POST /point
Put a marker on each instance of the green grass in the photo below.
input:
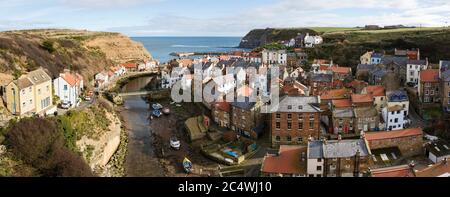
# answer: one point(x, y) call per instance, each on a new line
point(333, 29)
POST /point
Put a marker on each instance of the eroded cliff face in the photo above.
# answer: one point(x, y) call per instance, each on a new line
point(57, 49)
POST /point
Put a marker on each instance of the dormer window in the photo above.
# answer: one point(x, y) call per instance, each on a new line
point(300, 107)
point(289, 107)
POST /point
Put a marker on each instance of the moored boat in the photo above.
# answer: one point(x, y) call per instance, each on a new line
point(187, 165)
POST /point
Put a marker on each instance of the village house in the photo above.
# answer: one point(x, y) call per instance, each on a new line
point(413, 68)
point(130, 67)
point(253, 57)
point(445, 93)
point(289, 162)
point(320, 63)
point(437, 151)
point(31, 93)
point(319, 83)
point(221, 114)
point(397, 66)
point(366, 57)
point(310, 41)
point(148, 65)
point(395, 117)
point(378, 93)
point(444, 65)
point(413, 54)
point(338, 158)
point(398, 98)
point(408, 141)
point(429, 86)
point(357, 86)
point(101, 79)
point(246, 117)
point(375, 58)
point(68, 87)
point(343, 121)
point(367, 119)
point(292, 87)
point(295, 121)
point(274, 57)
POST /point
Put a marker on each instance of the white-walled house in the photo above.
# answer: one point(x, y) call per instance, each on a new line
point(68, 87)
point(102, 79)
point(274, 57)
point(438, 151)
point(395, 118)
point(413, 68)
point(311, 41)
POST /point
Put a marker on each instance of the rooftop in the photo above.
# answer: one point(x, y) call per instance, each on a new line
point(288, 161)
point(439, 148)
point(343, 113)
point(362, 98)
point(298, 104)
point(441, 169)
point(365, 112)
point(336, 94)
point(224, 106)
point(38, 76)
point(342, 103)
point(394, 171)
point(376, 90)
point(370, 136)
point(430, 75)
point(397, 96)
point(341, 70)
point(321, 77)
point(345, 148)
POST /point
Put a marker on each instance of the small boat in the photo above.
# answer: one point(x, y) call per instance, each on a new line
point(156, 113)
point(166, 111)
point(187, 165)
point(157, 106)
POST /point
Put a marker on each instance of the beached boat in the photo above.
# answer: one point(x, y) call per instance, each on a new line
point(187, 165)
point(157, 106)
point(166, 111)
point(156, 113)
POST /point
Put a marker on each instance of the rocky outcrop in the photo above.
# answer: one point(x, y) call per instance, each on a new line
point(56, 49)
point(260, 37)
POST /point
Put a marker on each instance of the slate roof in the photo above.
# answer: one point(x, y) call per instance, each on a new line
point(365, 67)
point(377, 55)
point(378, 72)
point(38, 76)
point(401, 61)
point(439, 148)
point(345, 148)
point(446, 75)
point(397, 96)
point(365, 112)
point(246, 105)
point(298, 104)
point(321, 77)
point(315, 150)
point(23, 83)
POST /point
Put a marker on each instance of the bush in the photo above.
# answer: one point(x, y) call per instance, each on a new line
point(48, 46)
point(40, 143)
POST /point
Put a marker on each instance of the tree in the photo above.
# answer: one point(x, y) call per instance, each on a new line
point(48, 46)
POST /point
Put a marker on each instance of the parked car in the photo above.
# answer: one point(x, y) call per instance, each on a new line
point(65, 105)
point(175, 143)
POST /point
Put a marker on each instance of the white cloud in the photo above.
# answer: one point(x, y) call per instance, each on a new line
point(107, 3)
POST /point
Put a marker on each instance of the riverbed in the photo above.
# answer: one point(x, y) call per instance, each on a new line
point(141, 160)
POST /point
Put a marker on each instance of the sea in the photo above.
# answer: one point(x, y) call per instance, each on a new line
point(162, 47)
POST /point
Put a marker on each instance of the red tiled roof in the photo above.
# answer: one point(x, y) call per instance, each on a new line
point(186, 62)
point(129, 65)
point(376, 90)
point(362, 98)
point(335, 94)
point(287, 162)
point(342, 103)
point(341, 70)
point(370, 136)
point(224, 106)
point(72, 79)
point(395, 171)
point(431, 75)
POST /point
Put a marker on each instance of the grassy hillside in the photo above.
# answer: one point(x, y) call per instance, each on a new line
point(345, 47)
point(57, 49)
point(260, 37)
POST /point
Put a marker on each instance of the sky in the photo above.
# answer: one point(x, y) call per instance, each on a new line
point(215, 18)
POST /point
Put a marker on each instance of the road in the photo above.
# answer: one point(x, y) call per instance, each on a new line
point(416, 119)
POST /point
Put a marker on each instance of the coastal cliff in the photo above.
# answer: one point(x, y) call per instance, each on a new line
point(260, 37)
point(57, 49)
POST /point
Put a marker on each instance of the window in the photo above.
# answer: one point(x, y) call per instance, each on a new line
point(23, 92)
point(311, 125)
point(289, 125)
point(319, 168)
point(289, 107)
point(277, 138)
point(319, 160)
point(31, 101)
point(23, 104)
point(299, 139)
point(289, 138)
point(48, 88)
point(301, 106)
point(65, 87)
point(39, 91)
point(300, 125)
point(278, 125)
point(396, 120)
point(278, 116)
point(289, 116)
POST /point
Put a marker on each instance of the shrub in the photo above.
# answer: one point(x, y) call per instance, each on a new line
point(40, 143)
point(48, 46)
